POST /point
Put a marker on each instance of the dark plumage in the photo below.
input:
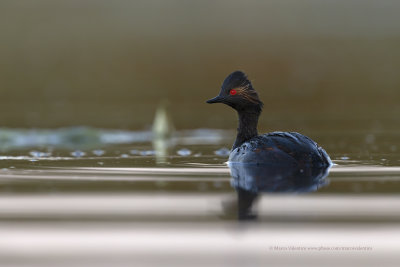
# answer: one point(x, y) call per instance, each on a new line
point(276, 147)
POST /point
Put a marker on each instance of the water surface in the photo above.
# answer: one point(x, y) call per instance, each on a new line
point(142, 203)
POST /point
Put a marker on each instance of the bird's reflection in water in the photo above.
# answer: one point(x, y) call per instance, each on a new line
point(250, 180)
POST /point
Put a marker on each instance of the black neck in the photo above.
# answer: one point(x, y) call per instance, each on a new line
point(247, 129)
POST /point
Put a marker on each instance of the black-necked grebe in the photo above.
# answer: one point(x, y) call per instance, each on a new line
point(276, 147)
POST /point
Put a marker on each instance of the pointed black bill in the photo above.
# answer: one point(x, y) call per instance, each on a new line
point(216, 99)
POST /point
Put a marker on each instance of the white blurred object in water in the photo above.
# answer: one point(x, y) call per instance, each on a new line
point(184, 152)
point(223, 152)
point(163, 131)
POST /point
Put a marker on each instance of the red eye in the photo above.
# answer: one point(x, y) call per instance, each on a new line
point(232, 92)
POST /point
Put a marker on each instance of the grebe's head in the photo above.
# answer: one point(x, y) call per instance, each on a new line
point(238, 93)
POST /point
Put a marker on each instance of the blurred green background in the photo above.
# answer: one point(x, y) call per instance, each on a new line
point(318, 65)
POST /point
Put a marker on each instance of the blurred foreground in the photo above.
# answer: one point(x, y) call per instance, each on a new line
point(186, 214)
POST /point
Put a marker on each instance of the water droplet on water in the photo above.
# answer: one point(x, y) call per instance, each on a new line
point(98, 152)
point(134, 152)
point(38, 154)
point(184, 152)
point(34, 153)
point(223, 152)
point(78, 153)
point(147, 153)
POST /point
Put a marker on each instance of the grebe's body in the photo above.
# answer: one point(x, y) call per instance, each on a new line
point(281, 148)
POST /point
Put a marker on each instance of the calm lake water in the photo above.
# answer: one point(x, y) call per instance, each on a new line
point(114, 197)
point(113, 193)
